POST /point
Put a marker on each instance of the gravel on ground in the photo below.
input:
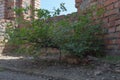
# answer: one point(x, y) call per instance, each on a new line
point(20, 68)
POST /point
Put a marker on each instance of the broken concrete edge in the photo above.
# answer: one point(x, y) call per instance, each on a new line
point(13, 69)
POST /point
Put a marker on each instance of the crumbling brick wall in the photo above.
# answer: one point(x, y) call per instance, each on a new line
point(111, 22)
point(7, 7)
point(1, 9)
point(7, 13)
point(3, 24)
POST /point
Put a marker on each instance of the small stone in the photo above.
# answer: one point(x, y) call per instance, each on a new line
point(88, 74)
point(96, 73)
point(118, 65)
point(103, 78)
point(50, 78)
point(93, 58)
point(30, 57)
point(118, 71)
point(114, 77)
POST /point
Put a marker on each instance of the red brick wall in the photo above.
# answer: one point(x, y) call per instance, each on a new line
point(7, 6)
point(2, 9)
point(111, 21)
point(7, 14)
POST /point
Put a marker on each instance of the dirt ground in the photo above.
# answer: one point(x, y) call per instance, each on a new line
point(25, 68)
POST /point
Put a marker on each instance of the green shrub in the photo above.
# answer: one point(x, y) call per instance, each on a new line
point(85, 41)
point(36, 33)
point(81, 37)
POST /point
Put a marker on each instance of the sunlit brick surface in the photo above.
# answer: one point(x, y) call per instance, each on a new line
point(111, 20)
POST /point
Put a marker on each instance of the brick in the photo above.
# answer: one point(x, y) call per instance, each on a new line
point(105, 20)
point(108, 2)
point(111, 30)
point(117, 22)
point(117, 41)
point(110, 41)
point(111, 12)
point(118, 28)
point(112, 47)
point(111, 24)
point(114, 17)
point(117, 4)
point(104, 25)
point(78, 1)
point(112, 35)
point(110, 7)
